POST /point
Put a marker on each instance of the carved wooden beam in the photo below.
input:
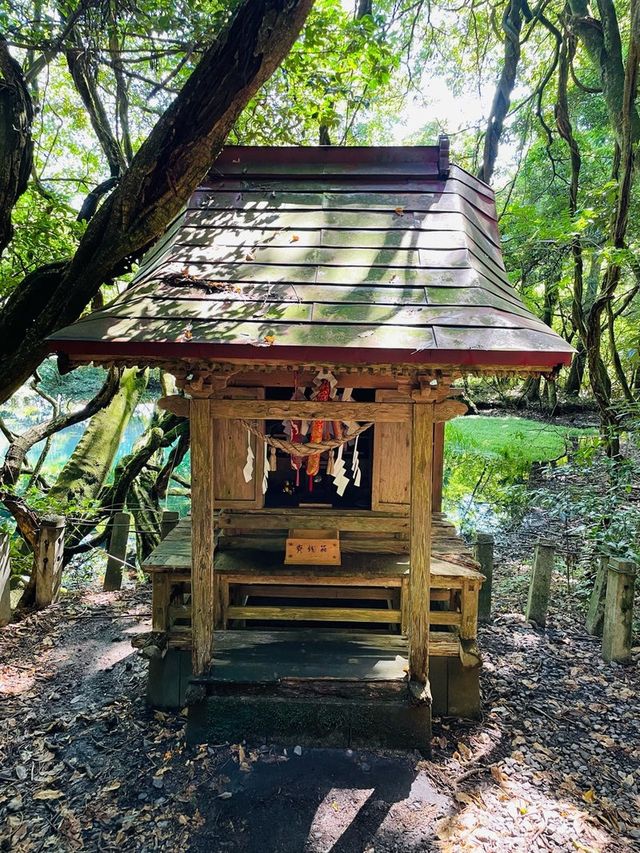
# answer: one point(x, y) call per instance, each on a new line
point(263, 410)
point(276, 410)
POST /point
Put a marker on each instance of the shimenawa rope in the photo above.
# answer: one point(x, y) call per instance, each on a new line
point(296, 448)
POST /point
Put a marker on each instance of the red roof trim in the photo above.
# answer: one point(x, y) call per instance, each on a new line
point(338, 355)
point(250, 160)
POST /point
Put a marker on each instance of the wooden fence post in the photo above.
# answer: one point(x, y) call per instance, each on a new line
point(618, 610)
point(540, 585)
point(49, 559)
point(595, 614)
point(483, 550)
point(117, 551)
point(5, 579)
point(168, 521)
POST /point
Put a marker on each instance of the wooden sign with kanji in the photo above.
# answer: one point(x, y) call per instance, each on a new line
point(306, 547)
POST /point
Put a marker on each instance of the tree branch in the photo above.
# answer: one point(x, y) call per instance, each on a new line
point(163, 174)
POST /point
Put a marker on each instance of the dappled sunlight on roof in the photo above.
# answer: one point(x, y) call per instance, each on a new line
point(388, 250)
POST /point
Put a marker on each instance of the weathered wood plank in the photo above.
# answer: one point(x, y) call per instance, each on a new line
point(441, 643)
point(314, 614)
point(269, 519)
point(168, 521)
point(445, 617)
point(391, 472)
point(347, 546)
point(595, 613)
point(438, 466)
point(483, 552)
point(469, 607)
point(231, 489)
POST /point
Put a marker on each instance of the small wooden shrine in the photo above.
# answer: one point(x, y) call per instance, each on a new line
point(315, 306)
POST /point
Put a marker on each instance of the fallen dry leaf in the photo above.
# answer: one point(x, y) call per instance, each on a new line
point(498, 775)
point(48, 794)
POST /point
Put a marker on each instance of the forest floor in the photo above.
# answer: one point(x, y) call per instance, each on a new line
point(84, 765)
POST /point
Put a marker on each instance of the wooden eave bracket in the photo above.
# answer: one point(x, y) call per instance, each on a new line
point(202, 384)
point(438, 393)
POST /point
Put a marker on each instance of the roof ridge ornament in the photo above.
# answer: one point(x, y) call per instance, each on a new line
point(443, 158)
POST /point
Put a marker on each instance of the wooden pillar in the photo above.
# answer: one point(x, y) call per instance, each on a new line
point(540, 584)
point(117, 551)
point(168, 521)
point(49, 555)
point(483, 550)
point(5, 580)
point(420, 532)
point(618, 611)
point(202, 505)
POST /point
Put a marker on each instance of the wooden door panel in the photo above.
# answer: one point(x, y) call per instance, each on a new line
point(391, 482)
point(231, 490)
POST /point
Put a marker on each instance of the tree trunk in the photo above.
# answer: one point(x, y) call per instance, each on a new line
point(16, 144)
point(512, 25)
point(576, 373)
point(90, 463)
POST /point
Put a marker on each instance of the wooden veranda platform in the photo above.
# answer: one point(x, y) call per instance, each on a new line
point(252, 583)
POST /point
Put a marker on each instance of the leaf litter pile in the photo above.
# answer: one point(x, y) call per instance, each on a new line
point(84, 765)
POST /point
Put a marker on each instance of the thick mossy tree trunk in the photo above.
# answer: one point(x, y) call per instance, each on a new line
point(90, 463)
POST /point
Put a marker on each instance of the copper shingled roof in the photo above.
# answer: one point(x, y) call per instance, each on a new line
point(363, 255)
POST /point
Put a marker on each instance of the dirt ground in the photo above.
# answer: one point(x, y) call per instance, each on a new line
point(84, 765)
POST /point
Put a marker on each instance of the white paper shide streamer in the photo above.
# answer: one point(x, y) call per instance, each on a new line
point(247, 471)
point(265, 469)
point(340, 479)
point(355, 464)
